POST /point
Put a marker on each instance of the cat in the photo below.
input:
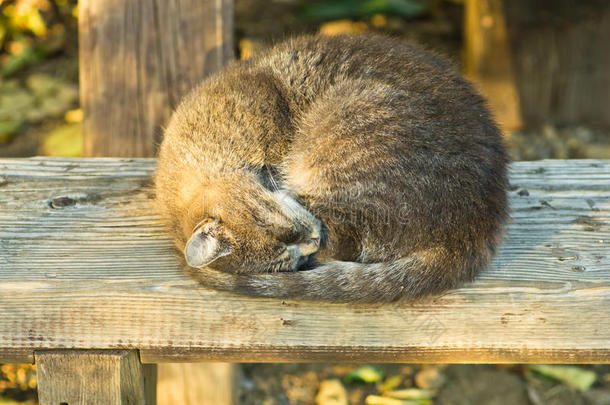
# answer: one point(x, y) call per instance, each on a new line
point(340, 169)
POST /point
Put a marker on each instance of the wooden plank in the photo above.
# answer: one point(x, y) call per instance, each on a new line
point(90, 377)
point(84, 262)
point(137, 59)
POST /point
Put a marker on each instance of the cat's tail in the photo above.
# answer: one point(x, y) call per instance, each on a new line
point(414, 276)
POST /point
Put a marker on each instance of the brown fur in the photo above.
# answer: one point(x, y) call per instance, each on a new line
point(366, 163)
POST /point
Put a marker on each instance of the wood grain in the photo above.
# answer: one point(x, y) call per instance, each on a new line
point(85, 263)
point(137, 58)
point(89, 377)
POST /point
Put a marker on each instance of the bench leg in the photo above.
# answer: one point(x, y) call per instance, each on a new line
point(94, 377)
point(198, 384)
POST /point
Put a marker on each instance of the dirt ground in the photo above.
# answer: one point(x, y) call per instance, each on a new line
point(303, 384)
point(298, 384)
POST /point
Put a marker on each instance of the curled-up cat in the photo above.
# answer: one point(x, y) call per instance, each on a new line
point(348, 168)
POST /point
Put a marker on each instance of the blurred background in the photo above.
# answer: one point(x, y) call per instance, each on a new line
point(544, 66)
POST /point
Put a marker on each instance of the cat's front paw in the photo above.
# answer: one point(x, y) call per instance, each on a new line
point(309, 246)
point(301, 253)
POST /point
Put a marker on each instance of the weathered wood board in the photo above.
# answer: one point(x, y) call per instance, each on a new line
point(85, 263)
point(92, 377)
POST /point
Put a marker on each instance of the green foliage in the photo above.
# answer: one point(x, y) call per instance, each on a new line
point(573, 376)
point(66, 140)
point(41, 98)
point(17, 384)
point(32, 29)
point(338, 9)
point(28, 56)
point(364, 374)
point(7, 401)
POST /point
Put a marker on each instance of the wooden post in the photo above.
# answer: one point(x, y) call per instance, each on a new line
point(138, 58)
point(487, 60)
point(561, 61)
point(91, 377)
point(204, 384)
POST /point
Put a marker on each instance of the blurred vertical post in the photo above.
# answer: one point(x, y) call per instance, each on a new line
point(137, 59)
point(194, 384)
point(487, 60)
point(561, 60)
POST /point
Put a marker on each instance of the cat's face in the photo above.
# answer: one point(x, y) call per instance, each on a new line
point(253, 231)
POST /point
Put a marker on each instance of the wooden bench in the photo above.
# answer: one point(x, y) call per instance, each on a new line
point(90, 287)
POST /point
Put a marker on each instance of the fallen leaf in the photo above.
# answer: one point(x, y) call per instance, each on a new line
point(42, 84)
point(7, 129)
point(390, 383)
point(27, 56)
point(355, 395)
point(67, 93)
point(365, 374)
point(249, 47)
point(15, 104)
point(378, 400)
point(53, 107)
point(74, 116)
point(410, 393)
point(7, 401)
point(429, 378)
point(66, 140)
point(342, 27)
point(575, 377)
point(331, 392)
point(406, 370)
point(379, 20)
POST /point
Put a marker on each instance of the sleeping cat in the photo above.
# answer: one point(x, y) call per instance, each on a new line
point(348, 168)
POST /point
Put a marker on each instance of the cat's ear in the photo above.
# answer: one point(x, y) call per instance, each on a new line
point(203, 246)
